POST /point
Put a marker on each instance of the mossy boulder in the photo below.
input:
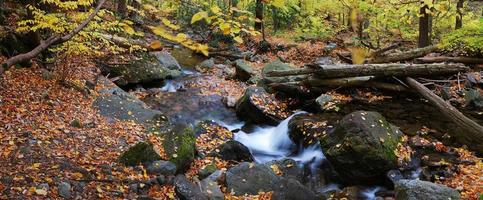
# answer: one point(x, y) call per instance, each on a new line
point(140, 153)
point(144, 68)
point(179, 145)
point(362, 147)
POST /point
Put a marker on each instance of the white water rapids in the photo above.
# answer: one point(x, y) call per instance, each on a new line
point(273, 143)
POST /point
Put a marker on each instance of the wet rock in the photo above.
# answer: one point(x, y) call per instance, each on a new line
point(64, 190)
point(250, 178)
point(307, 129)
point(276, 66)
point(289, 168)
point(417, 189)
point(142, 152)
point(234, 150)
point(206, 64)
point(324, 61)
point(167, 60)
point(211, 189)
point(243, 70)
point(143, 69)
point(361, 147)
point(248, 110)
point(162, 167)
point(187, 190)
point(230, 101)
point(179, 145)
point(115, 103)
point(292, 189)
point(474, 97)
point(207, 171)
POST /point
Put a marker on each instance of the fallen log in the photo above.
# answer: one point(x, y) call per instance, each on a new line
point(376, 70)
point(339, 82)
point(403, 56)
point(472, 132)
point(125, 42)
point(52, 40)
point(440, 59)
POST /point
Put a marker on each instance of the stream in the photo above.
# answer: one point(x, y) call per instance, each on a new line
point(185, 104)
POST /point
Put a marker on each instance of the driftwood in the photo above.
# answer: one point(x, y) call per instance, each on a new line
point(472, 132)
point(52, 40)
point(403, 56)
point(439, 59)
point(377, 70)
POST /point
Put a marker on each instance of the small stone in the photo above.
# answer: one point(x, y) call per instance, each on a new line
point(64, 190)
point(76, 123)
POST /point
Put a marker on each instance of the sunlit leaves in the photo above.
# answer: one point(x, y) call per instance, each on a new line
point(358, 54)
point(199, 16)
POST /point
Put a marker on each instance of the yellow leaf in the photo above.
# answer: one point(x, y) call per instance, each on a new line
point(181, 37)
point(199, 16)
point(358, 55)
point(215, 9)
point(238, 39)
point(225, 28)
point(128, 29)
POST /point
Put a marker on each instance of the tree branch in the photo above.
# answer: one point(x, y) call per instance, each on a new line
point(52, 40)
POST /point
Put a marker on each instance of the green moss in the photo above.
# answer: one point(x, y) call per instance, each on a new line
point(180, 147)
point(208, 170)
point(140, 153)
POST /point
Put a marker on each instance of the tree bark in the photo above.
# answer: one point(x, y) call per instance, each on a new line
point(259, 15)
point(122, 8)
point(52, 40)
point(471, 134)
point(439, 59)
point(459, 14)
point(403, 56)
point(376, 70)
point(424, 28)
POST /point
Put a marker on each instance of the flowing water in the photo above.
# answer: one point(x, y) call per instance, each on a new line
point(273, 143)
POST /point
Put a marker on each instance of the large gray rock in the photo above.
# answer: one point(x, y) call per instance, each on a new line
point(278, 66)
point(187, 190)
point(417, 189)
point(167, 60)
point(292, 189)
point(243, 71)
point(115, 103)
point(251, 178)
point(362, 147)
point(162, 167)
point(249, 110)
point(144, 68)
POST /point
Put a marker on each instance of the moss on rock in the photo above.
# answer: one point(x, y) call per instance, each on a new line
point(142, 152)
point(179, 145)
